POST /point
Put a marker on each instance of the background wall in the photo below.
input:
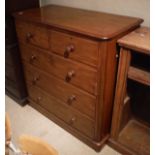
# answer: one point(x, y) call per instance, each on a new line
point(136, 8)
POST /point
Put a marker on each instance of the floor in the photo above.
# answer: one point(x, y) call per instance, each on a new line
point(26, 120)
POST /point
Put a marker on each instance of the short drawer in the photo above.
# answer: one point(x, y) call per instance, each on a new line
point(69, 71)
point(62, 111)
point(32, 34)
point(77, 48)
point(69, 94)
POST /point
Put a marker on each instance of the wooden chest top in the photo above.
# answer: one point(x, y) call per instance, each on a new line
point(95, 24)
point(138, 40)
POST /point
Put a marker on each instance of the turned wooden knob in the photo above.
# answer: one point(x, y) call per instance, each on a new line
point(29, 35)
point(71, 99)
point(68, 50)
point(32, 58)
point(35, 79)
point(73, 119)
point(69, 75)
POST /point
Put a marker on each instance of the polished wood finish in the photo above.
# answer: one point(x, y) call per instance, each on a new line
point(139, 75)
point(70, 66)
point(126, 112)
point(57, 87)
point(62, 111)
point(129, 132)
point(84, 50)
point(138, 40)
point(32, 34)
point(95, 145)
point(70, 71)
point(90, 23)
point(124, 62)
point(120, 148)
point(136, 136)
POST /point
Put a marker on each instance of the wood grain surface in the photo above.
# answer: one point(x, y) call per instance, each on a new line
point(138, 40)
point(70, 55)
point(95, 24)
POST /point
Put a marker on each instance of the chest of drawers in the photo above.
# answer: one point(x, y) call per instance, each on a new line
point(70, 61)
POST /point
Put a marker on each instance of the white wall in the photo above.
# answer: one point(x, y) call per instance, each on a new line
point(136, 8)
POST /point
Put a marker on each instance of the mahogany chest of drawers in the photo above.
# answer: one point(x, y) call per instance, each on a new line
point(70, 62)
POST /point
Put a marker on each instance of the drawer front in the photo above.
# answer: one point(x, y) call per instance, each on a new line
point(69, 94)
point(72, 72)
point(69, 46)
point(62, 111)
point(32, 34)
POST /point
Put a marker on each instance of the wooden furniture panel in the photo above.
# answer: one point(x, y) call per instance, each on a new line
point(136, 136)
point(120, 94)
point(90, 23)
point(130, 132)
point(12, 87)
point(32, 34)
point(62, 111)
point(69, 94)
point(71, 62)
point(9, 73)
point(14, 79)
point(138, 40)
point(70, 46)
point(8, 57)
point(69, 71)
point(139, 75)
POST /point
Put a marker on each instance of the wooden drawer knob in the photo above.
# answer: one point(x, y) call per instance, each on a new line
point(71, 99)
point(73, 119)
point(29, 36)
point(69, 75)
point(35, 79)
point(32, 58)
point(68, 50)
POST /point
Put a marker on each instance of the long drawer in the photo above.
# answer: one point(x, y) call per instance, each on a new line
point(69, 94)
point(32, 34)
point(72, 72)
point(62, 111)
point(77, 48)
